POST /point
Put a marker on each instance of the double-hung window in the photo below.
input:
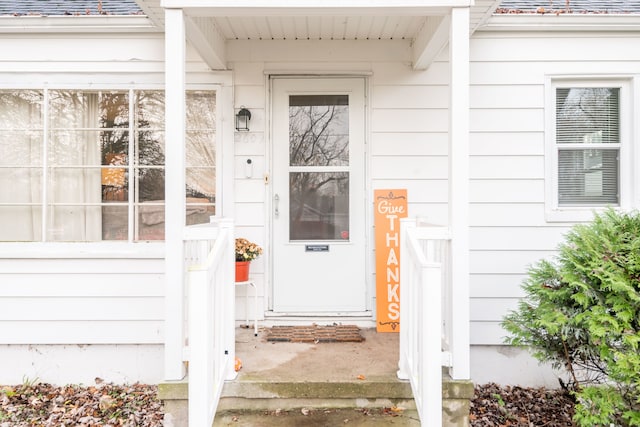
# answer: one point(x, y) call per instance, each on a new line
point(587, 148)
point(88, 165)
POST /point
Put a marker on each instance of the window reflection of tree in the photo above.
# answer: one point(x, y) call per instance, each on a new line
point(150, 145)
point(114, 144)
point(200, 150)
point(587, 117)
point(318, 136)
point(587, 111)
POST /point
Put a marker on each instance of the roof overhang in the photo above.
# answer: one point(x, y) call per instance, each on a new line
point(76, 24)
point(311, 7)
point(210, 24)
point(563, 22)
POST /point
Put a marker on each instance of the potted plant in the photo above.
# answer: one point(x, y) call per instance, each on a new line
point(246, 252)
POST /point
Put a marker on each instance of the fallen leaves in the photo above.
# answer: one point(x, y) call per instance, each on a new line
point(393, 411)
point(7, 391)
point(103, 404)
point(137, 405)
point(495, 405)
point(106, 402)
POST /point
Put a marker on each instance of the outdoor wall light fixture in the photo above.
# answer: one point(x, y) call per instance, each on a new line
point(243, 117)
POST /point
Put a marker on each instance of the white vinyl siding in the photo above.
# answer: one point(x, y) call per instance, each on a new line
point(67, 300)
point(512, 144)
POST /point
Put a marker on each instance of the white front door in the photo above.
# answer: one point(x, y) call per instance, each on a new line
point(318, 213)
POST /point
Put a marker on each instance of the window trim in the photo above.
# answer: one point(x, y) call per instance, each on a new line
point(628, 196)
point(111, 248)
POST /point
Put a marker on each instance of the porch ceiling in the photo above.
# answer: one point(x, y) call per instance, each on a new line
point(210, 23)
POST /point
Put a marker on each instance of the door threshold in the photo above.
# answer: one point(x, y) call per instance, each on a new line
point(337, 314)
point(361, 319)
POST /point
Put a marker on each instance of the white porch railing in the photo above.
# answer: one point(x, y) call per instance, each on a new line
point(425, 332)
point(209, 258)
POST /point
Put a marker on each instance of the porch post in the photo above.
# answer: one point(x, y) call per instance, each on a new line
point(459, 189)
point(175, 203)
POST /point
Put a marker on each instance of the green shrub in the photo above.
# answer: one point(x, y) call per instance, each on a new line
point(581, 314)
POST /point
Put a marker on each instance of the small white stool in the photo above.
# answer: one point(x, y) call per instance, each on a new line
point(246, 303)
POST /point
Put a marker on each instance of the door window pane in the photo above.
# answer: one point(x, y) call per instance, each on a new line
point(319, 206)
point(319, 130)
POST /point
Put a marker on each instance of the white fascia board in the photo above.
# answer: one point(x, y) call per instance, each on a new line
point(75, 24)
point(152, 9)
point(313, 7)
point(205, 37)
point(488, 13)
point(563, 22)
point(429, 43)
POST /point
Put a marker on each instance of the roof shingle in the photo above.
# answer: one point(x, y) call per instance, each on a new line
point(68, 7)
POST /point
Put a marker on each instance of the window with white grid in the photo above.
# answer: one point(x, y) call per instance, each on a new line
point(588, 148)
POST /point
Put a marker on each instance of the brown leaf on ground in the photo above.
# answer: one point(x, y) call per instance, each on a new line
point(105, 404)
point(495, 405)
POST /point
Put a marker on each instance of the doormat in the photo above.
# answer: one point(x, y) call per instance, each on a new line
point(314, 334)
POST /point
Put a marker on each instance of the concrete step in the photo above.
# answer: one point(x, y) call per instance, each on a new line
point(375, 402)
point(316, 403)
point(318, 418)
point(261, 395)
point(305, 403)
point(364, 393)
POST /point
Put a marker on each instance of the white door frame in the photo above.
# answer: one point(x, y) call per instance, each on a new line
point(368, 315)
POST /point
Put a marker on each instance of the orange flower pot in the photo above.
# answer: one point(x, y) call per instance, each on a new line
point(242, 271)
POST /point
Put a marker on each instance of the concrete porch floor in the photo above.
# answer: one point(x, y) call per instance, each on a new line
point(375, 359)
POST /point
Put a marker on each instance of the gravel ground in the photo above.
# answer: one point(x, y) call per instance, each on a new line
point(137, 405)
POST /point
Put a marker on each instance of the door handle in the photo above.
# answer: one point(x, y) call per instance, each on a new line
point(276, 200)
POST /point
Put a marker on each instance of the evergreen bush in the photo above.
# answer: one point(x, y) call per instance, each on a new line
point(581, 314)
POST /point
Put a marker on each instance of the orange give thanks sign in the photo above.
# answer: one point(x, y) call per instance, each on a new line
point(389, 206)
